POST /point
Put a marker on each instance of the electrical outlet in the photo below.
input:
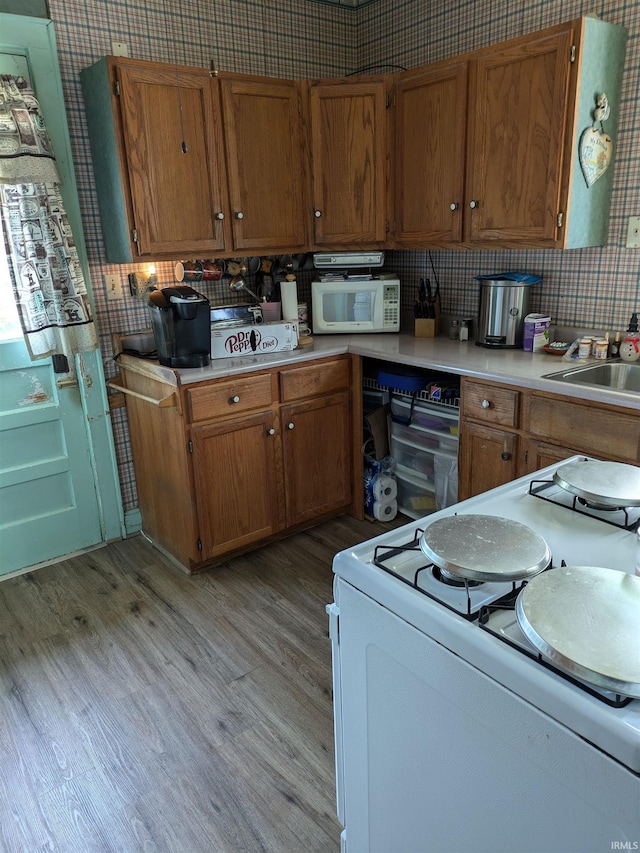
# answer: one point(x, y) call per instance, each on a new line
point(119, 48)
point(633, 233)
point(113, 286)
point(139, 285)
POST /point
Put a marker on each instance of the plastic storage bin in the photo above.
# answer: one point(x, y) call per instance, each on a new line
point(416, 494)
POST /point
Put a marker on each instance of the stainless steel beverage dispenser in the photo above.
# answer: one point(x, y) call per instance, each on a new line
point(503, 305)
point(180, 319)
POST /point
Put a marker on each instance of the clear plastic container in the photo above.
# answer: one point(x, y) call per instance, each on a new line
point(416, 494)
point(413, 457)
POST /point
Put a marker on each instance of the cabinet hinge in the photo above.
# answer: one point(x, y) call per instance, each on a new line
point(572, 53)
point(190, 446)
point(386, 225)
point(526, 456)
point(199, 544)
point(116, 88)
point(388, 100)
point(135, 235)
point(300, 106)
point(560, 219)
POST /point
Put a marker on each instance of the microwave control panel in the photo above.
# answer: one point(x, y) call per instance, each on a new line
point(391, 306)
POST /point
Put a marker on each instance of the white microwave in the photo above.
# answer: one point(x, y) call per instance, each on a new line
point(356, 305)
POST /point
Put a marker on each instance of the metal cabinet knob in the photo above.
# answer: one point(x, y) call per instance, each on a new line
point(505, 456)
point(473, 204)
point(271, 431)
point(239, 214)
point(317, 214)
point(235, 399)
point(485, 404)
point(290, 425)
point(454, 205)
point(220, 216)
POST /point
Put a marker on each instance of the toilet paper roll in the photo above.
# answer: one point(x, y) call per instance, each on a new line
point(385, 510)
point(385, 488)
point(289, 297)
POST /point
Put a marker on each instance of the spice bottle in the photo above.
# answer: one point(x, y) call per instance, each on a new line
point(615, 346)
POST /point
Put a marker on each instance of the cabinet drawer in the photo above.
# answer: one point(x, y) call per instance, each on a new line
point(490, 404)
point(586, 428)
point(229, 398)
point(313, 379)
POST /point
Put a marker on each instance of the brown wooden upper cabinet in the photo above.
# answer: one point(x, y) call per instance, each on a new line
point(487, 145)
point(430, 125)
point(348, 147)
point(158, 159)
point(263, 135)
point(165, 188)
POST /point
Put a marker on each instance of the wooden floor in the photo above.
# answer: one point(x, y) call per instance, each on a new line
point(142, 709)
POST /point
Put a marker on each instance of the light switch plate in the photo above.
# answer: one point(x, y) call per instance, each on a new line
point(113, 286)
point(633, 233)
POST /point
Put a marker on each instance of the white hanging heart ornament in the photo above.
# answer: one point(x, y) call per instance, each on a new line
point(596, 153)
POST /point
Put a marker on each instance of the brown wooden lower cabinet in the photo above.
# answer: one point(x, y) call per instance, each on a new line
point(487, 457)
point(506, 433)
point(237, 461)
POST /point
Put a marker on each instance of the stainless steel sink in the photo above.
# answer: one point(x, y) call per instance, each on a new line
point(615, 375)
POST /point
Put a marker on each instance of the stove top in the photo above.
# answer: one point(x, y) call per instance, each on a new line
point(479, 623)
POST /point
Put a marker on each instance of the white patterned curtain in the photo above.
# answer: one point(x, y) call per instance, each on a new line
point(47, 278)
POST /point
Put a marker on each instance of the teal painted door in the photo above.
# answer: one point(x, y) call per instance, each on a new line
point(58, 478)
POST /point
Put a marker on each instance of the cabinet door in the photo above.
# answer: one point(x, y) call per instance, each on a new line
point(175, 159)
point(518, 105)
point(348, 152)
point(487, 458)
point(237, 482)
point(265, 155)
point(430, 149)
point(316, 437)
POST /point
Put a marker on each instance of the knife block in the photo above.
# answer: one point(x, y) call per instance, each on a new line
point(428, 327)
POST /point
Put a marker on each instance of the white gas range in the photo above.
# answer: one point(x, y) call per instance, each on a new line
point(453, 731)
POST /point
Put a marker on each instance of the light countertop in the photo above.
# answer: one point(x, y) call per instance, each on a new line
point(509, 366)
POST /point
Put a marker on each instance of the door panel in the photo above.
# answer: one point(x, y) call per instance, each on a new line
point(56, 444)
point(518, 98)
point(430, 146)
point(264, 147)
point(317, 459)
point(48, 500)
point(177, 194)
point(236, 480)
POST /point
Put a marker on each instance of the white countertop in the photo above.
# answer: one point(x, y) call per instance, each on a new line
point(509, 366)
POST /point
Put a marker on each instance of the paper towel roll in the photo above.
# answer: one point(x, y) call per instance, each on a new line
point(289, 296)
point(385, 488)
point(385, 510)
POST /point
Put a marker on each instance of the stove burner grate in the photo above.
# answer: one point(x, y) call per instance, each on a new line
point(626, 521)
point(384, 553)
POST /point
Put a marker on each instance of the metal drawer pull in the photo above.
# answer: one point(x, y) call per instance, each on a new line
point(486, 404)
point(235, 399)
point(505, 456)
point(453, 205)
point(473, 204)
point(239, 215)
point(271, 431)
point(317, 214)
point(220, 216)
point(290, 425)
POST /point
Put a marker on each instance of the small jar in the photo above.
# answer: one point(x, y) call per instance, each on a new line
point(454, 330)
point(584, 348)
point(601, 348)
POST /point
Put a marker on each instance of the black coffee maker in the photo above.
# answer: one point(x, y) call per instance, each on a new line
point(180, 319)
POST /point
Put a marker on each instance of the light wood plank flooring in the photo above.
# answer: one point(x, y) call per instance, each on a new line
point(141, 709)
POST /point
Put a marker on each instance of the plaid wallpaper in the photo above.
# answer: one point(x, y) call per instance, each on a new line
point(300, 38)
